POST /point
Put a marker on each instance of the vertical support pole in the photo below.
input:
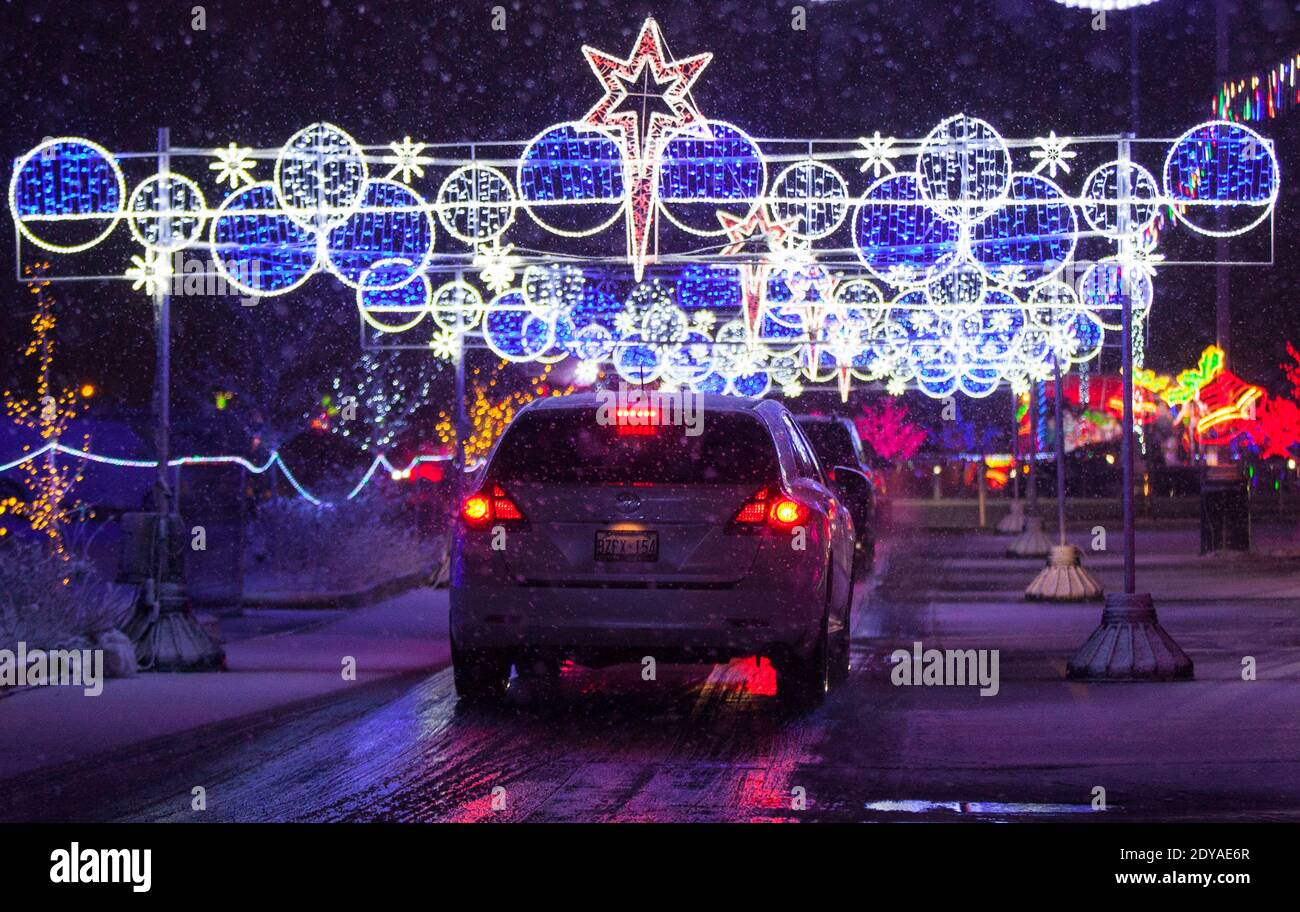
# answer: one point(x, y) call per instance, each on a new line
point(1222, 287)
point(980, 477)
point(162, 348)
point(1060, 453)
point(1126, 319)
point(1129, 644)
point(166, 634)
point(1015, 445)
point(459, 460)
point(1032, 480)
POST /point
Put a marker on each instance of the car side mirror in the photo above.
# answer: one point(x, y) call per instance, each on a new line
point(848, 480)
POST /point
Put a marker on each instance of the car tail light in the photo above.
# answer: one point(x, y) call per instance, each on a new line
point(492, 505)
point(774, 509)
point(786, 513)
point(754, 511)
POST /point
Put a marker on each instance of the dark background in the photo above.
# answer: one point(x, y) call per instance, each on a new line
point(114, 71)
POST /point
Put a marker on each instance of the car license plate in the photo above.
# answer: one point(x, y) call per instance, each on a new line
point(627, 546)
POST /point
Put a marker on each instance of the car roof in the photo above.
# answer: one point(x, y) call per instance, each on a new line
point(706, 401)
point(822, 419)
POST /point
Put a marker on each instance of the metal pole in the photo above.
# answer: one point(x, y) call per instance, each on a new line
point(462, 423)
point(1015, 445)
point(1032, 481)
point(1060, 453)
point(162, 348)
point(1222, 306)
point(1126, 317)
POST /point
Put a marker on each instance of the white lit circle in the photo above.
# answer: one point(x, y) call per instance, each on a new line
point(166, 212)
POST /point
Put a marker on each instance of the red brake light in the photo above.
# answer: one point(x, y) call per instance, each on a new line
point(496, 506)
point(502, 506)
point(776, 509)
point(754, 511)
point(786, 513)
point(476, 509)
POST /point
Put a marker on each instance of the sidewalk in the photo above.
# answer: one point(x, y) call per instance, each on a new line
point(53, 725)
point(1217, 747)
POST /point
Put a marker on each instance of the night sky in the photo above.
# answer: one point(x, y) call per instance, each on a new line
point(114, 71)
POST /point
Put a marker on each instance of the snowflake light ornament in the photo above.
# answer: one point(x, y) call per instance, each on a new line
point(445, 344)
point(152, 272)
point(877, 153)
point(234, 165)
point(1052, 154)
point(406, 159)
point(497, 265)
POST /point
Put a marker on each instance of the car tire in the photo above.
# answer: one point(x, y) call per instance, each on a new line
point(841, 649)
point(481, 675)
point(802, 683)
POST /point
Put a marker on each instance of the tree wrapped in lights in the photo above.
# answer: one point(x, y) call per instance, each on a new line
point(884, 425)
point(386, 392)
point(490, 413)
point(48, 509)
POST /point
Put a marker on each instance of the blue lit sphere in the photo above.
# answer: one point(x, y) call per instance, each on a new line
point(707, 168)
point(1030, 239)
point(1223, 178)
point(391, 224)
point(571, 179)
point(900, 238)
point(259, 253)
point(66, 195)
point(513, 331)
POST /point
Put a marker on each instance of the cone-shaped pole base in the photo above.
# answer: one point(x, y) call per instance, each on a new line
point(1014, 522)
point(1031, 542)
point(1063, 579)
point(1130, 645)
point(172, 639)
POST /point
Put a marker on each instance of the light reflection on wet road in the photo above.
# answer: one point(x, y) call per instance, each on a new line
point(713, 744)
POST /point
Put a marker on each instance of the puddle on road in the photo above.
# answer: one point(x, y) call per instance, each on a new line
point(979, 808)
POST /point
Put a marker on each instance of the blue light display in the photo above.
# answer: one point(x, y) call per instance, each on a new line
point(901, 238)
point(263, 253)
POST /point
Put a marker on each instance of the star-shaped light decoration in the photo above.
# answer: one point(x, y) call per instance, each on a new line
point(647, 97)
point(234, 165)
point(1052, 154)
point(445, 344)
point(406, 159)
point(498, 265)
point(151, 272)
point(877, 153)
point(741, 234)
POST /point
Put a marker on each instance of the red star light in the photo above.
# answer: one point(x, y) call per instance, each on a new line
point(647, 96)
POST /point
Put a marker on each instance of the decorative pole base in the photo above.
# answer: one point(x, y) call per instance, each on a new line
point(171, 638)
point(1063, 579)
point(1031, 542)
point(1130, 645)
point(1014, 522)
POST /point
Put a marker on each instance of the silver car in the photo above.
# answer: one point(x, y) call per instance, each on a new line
point(603, 542)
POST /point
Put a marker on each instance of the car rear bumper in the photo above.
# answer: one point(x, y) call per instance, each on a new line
point(621, 623)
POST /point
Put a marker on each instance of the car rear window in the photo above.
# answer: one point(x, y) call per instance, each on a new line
point(832, 440)
point(569, 447)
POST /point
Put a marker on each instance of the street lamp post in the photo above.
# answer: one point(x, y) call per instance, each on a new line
point(166, 634)
point(1032, 542)
point(1130, 644)
point(1063, 579)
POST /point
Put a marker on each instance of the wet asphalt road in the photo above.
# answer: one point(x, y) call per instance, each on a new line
point(700, 744)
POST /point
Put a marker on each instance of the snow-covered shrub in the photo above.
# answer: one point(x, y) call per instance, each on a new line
point(343, 547)
point(50, 603)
